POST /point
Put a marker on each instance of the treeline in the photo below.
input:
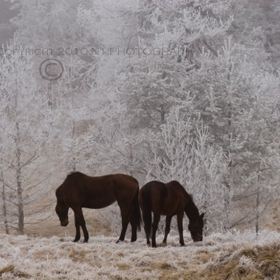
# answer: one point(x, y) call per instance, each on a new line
point(185, 90)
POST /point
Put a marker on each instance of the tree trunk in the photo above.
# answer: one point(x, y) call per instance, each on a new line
point(19, 185)
point(258, 203)
point(4, 208)
point(228, 180)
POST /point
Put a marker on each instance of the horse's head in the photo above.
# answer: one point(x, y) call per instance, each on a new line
point(196, 228)
point(61, 210)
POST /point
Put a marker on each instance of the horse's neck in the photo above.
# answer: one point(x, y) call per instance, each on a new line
point(191, 210)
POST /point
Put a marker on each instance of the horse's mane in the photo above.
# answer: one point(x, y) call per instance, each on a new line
point(73, 173)
point(70, 173)
point(189, 196)
point(176, 183)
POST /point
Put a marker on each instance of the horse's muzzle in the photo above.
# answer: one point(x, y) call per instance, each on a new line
point(64, 223)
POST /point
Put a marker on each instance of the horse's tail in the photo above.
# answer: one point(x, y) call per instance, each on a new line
point(145, 197)
point(136, 209)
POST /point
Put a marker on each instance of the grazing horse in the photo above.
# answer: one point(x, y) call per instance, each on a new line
point(169, 199)
point(79, 190)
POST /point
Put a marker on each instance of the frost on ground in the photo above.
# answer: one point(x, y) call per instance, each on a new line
point(219, 256)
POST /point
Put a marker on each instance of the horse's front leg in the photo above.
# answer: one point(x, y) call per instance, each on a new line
point(80, 222)
point(78, 232)
point(167, 228)
point(180, 227)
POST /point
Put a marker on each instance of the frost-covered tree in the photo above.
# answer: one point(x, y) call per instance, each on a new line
point(182, 152)
point(26, 129)
point(3, 166)
point(47, 24)
point(193, 65)
point(136, 74)
point(170, 36)
point(237, 107)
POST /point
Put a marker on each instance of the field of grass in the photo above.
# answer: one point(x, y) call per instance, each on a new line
point(219, 256)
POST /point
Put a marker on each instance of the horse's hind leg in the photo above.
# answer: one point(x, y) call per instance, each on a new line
point(135, 217)
point(124, 228)
point(145, 206)
point(133, 230)
point(125, 220)
point(155, 227)
point(167, 228)
point(147, 218)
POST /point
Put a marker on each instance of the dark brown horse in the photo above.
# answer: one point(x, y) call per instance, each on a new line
point(79, 190)
point(169, 200)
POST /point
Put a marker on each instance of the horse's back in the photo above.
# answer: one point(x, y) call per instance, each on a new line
point(164, 198)
point(154, 189)
point(153, 195)
point(125, 180)
point(97, 192)
point(175, 187)
point(81, 181)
